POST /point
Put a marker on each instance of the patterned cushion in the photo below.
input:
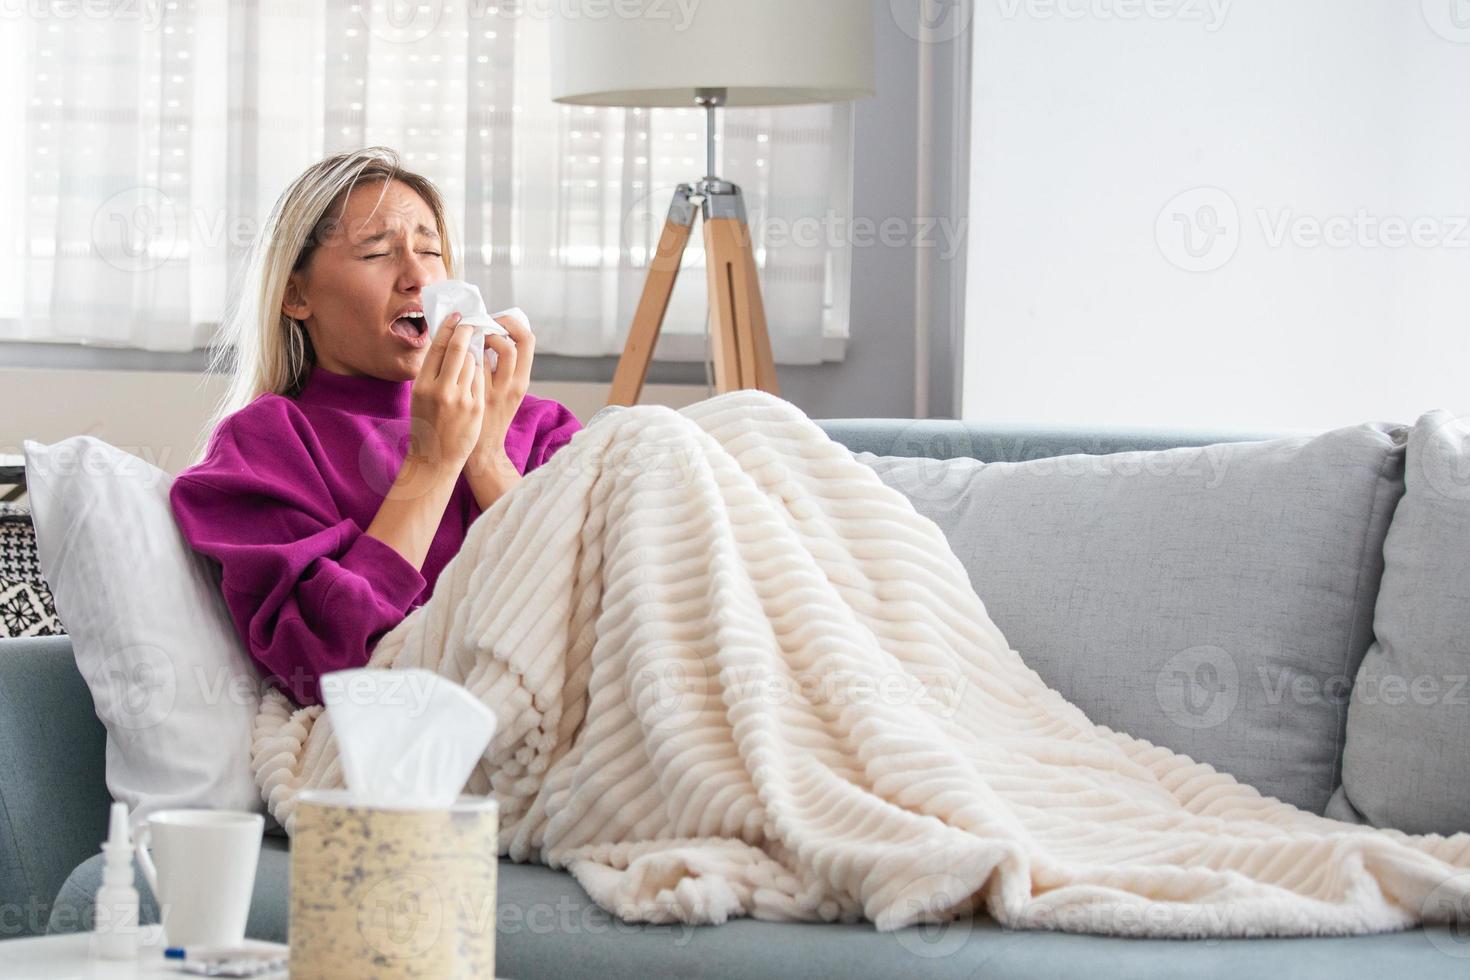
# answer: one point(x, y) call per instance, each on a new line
point(26, 606)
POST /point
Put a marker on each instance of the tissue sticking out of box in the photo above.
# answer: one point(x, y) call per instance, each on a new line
point(457, 296)
point(406, 738)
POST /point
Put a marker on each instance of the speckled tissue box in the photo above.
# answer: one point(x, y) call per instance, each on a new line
point(389, 893)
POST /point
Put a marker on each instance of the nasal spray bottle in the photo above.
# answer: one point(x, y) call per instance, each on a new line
point(115, 913)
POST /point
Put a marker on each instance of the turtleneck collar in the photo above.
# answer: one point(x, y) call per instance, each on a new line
point(359, 395)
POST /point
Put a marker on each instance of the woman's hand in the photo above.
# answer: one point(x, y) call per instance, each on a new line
point(490, 470)
point(448, 401)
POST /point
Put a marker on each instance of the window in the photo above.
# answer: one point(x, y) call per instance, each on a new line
point(149, 143)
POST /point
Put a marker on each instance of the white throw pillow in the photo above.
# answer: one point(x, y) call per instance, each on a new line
point(153, 639)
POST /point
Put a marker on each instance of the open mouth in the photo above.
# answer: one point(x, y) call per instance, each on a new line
point(412, 328)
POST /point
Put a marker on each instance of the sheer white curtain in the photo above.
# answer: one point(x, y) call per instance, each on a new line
point(147, 145)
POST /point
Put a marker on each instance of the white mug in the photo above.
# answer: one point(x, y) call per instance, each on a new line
point(202, 872)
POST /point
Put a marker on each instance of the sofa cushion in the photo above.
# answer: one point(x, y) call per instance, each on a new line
point(1215, 600)
point(1407, 759)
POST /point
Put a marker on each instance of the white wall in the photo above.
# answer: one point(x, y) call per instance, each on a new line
point(1105, 131)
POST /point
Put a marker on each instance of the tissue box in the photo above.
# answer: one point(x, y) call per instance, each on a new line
point(389, 892)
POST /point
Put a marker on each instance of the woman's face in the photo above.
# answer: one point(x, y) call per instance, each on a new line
point(369, 270)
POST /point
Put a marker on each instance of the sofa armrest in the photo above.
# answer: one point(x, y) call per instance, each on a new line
point(53, 787)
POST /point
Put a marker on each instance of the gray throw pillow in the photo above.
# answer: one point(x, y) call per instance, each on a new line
point(1407, 759)
point(1215, 600)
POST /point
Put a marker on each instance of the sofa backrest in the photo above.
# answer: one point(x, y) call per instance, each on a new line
point(953, 438)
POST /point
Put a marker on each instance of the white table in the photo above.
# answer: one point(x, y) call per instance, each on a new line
point(69, 957)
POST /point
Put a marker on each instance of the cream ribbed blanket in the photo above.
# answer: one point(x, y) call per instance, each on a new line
point(737, 674)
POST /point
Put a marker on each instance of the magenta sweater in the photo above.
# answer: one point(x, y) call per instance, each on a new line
point(282, 498)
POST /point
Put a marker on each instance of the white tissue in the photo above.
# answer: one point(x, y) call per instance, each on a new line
point(457, 296)
point(406, 738)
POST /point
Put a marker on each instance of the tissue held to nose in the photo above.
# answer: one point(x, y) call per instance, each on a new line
point(457, 296)
point(406, 738)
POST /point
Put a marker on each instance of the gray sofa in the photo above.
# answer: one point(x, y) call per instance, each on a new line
point(1212, 600)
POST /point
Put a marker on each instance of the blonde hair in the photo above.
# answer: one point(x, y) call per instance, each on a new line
point(259, 346)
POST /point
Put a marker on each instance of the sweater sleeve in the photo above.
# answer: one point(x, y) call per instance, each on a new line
point(308, 590)
point(555, 426)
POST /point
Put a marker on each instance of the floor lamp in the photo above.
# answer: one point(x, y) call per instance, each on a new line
point(729, 53)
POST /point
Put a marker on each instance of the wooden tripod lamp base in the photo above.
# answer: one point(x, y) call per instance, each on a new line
point(741, 345)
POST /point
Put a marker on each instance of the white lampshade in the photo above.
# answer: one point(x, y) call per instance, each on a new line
point(763, 52)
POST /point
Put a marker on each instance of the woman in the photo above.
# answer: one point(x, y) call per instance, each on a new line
point(350, 454)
